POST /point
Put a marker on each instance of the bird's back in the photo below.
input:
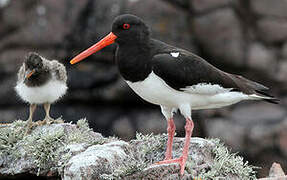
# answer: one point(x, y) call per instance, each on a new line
point(58, 70)
point(188, 70)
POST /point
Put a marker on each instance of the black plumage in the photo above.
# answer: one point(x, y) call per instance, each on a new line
point(42, 74)
point(186, 70)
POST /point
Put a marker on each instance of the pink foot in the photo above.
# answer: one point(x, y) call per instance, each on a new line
point(181, 161)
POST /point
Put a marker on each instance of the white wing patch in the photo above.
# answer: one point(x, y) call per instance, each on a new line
point(174, 54)
point(207, 89)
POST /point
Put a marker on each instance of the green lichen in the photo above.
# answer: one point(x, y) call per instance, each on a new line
point(226, 163)
point(130, 167)
point(83, 124)
point(148, 149)
point(152, 146)
point(43, 147)
point(82, 134)
point(9, 136)
point(48, 148)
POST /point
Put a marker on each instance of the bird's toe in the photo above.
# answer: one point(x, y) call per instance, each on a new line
point(58, 121)
point(181, 161)
point(169, 161)
point(49, 120)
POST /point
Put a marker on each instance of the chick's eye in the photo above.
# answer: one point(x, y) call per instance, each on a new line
point(126, 26)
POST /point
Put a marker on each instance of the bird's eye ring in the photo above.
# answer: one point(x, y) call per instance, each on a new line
point(126, 26)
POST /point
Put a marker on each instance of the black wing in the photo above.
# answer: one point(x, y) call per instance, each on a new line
point(188, 69)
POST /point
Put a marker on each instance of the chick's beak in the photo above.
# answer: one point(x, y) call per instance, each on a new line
point(29, 73)
point(109, 39)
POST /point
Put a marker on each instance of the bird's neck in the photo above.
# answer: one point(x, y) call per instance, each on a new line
point(38, 79)
point(134, 61)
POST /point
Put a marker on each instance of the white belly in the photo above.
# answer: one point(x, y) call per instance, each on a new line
point(154, 90)
point(47, 93)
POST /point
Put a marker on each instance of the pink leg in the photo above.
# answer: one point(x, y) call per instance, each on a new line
point(188, 132)
point(182, 159)
point(170, 131)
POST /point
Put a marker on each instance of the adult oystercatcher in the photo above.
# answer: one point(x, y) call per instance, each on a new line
point(41, 81)
point(172, 77)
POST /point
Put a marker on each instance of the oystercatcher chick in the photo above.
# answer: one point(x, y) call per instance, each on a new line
point(172, 77)
point(41, 81)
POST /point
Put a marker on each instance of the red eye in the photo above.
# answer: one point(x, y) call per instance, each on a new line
point(126, 26)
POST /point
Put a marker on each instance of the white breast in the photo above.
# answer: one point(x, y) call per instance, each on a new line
point(202, 96)
point(47, 93)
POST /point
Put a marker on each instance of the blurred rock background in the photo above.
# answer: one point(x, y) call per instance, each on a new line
point(242, 37)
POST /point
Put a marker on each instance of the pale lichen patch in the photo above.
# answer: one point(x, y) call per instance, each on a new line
point(10, 135)
point(146, 149)
point(209, 159)
point(46, 148)
point(83, 134)
point(42, 146)
point(226, 164)
point(99, 159)
point(76, 151)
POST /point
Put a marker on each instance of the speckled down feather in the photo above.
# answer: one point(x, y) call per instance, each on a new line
point(57, 69)
point(49, 91)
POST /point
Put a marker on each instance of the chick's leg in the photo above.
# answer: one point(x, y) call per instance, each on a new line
point(48, 119)
point(30, 119)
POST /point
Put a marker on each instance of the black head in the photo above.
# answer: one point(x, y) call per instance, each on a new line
point(130, 29)
point(33, 61)
point(127, 29)
point(35, 72)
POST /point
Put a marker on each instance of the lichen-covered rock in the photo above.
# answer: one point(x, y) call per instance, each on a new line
point(45, 150)
point(74, 152)
point(96, 160)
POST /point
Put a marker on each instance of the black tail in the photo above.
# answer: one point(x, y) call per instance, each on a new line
point(270, 99)
point(251, 87)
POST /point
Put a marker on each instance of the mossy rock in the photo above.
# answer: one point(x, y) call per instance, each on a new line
point(74, 151)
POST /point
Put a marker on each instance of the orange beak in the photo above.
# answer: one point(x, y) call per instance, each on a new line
point(109, 39)
point(29, 74)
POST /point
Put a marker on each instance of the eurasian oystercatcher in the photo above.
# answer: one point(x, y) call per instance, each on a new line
point(41, 81)
point(172, 77)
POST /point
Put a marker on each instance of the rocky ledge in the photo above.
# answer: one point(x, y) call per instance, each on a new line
point(73, 151)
